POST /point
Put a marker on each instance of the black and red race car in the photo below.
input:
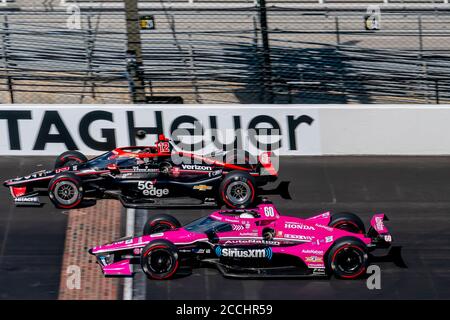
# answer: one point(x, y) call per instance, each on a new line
point(150, 176)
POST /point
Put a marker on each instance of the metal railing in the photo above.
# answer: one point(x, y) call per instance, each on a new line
point(209, 53)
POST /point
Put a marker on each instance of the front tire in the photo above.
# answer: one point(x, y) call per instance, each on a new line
point(348, 258)
point(160, 223)
point(237, 190)
point(70, 158)
point(160, 260)
point(65, 190)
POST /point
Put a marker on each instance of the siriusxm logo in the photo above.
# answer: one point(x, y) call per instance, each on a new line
point(243, 253)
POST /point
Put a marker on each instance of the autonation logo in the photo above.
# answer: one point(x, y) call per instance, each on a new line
point(244, 253)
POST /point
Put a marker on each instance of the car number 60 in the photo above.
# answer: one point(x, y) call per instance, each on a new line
point(268, 212)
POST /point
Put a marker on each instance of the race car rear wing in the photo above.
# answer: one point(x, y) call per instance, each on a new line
point(378, 231)
point(267, 166)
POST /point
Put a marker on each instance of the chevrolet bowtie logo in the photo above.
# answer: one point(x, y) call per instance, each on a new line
point(202, 187)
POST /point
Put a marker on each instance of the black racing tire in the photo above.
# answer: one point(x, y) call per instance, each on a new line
point(347, 221)
point(237, 190)
point(160, 223)
point(348, 258)
point(160, 260)
point(69, 158)
point(65, 190)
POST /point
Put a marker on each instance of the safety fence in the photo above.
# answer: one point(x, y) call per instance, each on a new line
point(232, 52)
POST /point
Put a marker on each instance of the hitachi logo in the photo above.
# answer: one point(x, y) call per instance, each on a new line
point(26, 199)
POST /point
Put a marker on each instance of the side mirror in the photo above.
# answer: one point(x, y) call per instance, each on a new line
point(212, 236)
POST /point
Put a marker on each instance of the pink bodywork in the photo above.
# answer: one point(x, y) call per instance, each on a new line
point(309, 238)
point(120, 268)
point(377, 223)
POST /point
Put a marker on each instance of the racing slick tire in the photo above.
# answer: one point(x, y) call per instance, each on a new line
point(237, 190)
point(348, 258)
point(160, 260)
point(65, 190)
point(69, 158)
point(347, 221)
point(160, 223)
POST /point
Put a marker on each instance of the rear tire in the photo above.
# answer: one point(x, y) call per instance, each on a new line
point(65, 190)
point(348, 258)
point(347, 221)
point(70, 158)
point(160, 223)
point(159, 260)
point(237, 190)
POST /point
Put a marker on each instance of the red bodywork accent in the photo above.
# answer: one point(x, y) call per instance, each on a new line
point(264, 159)
point(18, 191)
point(212, 162)
point(121, 152)
point(59, 170)
point(112, 166)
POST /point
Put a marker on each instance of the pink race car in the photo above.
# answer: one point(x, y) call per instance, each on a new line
point(249, 243)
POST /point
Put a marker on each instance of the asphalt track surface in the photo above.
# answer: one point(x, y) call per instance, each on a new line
point(413, 191)
point(31, 239)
